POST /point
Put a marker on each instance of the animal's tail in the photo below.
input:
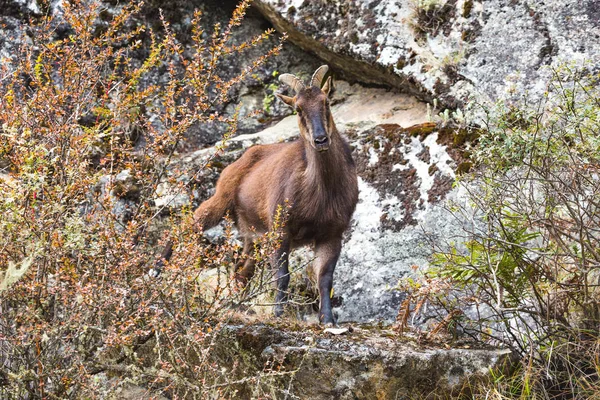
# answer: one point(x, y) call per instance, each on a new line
point(206, 216)
point(213, 210)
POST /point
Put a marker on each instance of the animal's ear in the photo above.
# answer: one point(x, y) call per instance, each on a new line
point(327, 86)
point(290, 101)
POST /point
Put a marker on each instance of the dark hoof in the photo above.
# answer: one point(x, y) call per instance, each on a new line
point(327, 321)
point(278, 311)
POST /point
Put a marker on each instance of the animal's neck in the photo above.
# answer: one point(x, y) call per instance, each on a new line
point(325, 169)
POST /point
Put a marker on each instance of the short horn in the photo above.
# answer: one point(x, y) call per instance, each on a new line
point(292, 81)
point(318, 76)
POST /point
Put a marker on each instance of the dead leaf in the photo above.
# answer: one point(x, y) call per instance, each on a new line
point(336, 331)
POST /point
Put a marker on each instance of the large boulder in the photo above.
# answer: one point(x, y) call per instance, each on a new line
point(450, 50)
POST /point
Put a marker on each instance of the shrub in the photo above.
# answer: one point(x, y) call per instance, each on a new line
point(92, 109)
point(528, 275)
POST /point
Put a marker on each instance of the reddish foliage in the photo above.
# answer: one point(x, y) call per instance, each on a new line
point(72, 111)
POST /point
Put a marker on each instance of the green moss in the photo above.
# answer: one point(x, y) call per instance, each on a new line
point(464, 167)
point(459, 136)
point(401, 63)
point(466, 136)
point(422, 130)
point(467, 7)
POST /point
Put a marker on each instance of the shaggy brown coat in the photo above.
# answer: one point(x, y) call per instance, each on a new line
point(314, 175)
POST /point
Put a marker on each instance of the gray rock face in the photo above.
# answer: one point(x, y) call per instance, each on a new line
point(451, 50)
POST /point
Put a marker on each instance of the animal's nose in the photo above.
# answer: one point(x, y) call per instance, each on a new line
point(320, 140)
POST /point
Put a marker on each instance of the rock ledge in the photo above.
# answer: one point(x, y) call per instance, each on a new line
point(365, 363)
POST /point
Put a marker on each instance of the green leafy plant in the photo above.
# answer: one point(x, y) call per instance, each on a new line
point(269, 97)
point(530, 265)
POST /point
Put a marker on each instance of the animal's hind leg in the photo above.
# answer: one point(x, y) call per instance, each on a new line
point(206, 216)
point(279, 260)
point(245, 268)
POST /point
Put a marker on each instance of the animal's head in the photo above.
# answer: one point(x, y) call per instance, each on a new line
point(312, 106)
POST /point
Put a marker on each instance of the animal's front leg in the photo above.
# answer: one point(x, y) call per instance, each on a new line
point(279, 260)
point(327, 254)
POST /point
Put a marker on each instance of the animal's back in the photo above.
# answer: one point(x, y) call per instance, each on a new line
point(265, 185)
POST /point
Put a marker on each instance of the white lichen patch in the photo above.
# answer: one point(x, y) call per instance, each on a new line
point(368, 210)
point(373, 156)
point(393, 208)
point(360, 48)
point(389, 56)
point(399, 167)
point(438, 156)
point(422, 168)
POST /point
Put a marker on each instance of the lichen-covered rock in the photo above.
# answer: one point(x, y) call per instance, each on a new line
point(445, 49)
point(363, 364)
point(256, 360)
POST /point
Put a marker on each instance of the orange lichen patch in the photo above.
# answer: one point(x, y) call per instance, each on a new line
point(422, 130)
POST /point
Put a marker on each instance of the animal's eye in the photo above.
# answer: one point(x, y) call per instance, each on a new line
point(298, 110)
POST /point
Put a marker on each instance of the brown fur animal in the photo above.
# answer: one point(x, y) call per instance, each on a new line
point(315, 175)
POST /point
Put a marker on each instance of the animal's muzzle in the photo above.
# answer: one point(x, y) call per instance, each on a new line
point(321, 143)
